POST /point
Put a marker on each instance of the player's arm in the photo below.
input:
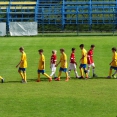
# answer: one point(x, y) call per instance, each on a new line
point(19, 63)
point(57, 63)
point(43, 62)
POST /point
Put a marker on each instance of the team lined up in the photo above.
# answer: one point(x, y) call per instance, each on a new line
point(86, 59)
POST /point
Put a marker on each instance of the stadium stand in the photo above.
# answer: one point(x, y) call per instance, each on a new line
point(60, 12)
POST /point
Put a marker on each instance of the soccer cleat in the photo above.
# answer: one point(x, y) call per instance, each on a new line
point(50, 79)
point(77, 76)
point(2, 80)
point(24, 82)
point(38, 80)
point(94, 75)
point(67, 79)
point(81, 77)
point(57, 79)
point(108, 77)
point(113, 76)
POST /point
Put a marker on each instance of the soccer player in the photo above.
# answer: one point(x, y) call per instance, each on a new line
point(22, 65)
point(73, 63)
point(63, 67)
point(53, 61)
point(2, 79)
point(83, 61)
point(41, 67)
point(113, 63)
point(91, 61)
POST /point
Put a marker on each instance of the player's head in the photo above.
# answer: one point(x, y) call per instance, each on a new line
point(73, 49)
point(21, 49)
point(92, 47)
point(54, 51)
point(114, 49)
point(40, 51)
point(62, 50)
point(81, 46)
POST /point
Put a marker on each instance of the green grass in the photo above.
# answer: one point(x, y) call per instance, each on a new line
point(76, 98)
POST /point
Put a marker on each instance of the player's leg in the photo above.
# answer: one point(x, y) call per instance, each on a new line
point(24, 74)
point(69, 69)
point(110, 72)
point(38, 79)
point(81, 71)
point(88, 69)
point(67, 77)
point(59, 75)
point(114, 74)
point(50, 79)
point(75, 71)
point(2, 79)
point(21, 74)
point(53, 70)
point(86, 73)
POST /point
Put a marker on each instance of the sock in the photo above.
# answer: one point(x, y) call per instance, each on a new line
point(76, 73)
point(39, 77)
point(24, 76)
point(66, 75)
point(53, 72)
point(69, 72)
point(81, 71)
point(88, 71)
point(110, 72)
point(93, 70)
point(46, 75)
point(115, 72)
point(21, 74)
point(59, 74)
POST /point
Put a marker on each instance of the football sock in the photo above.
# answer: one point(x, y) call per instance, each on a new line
point(115, 72)
point(66, 75)
point(21, 74)
point(46, 75)
point(24, 76)
point(81, 71)
point(76, 73)
point(53, 72)
point(59, 74)
point(93, 70)
point(69, 73)
point(110, 72)
point(38, 76)
point(88, 71)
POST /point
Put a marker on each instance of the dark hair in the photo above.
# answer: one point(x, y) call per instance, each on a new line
point(114, 48)
point(41, 50)
point(62, 50)
point(21, 48)
point(73, 49)
point(92, 46)
point(81, 45)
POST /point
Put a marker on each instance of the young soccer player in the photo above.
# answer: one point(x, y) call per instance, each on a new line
point(113, 63)
point(73, 63)
point(53, 61)
point(91, 61)
point(22, 65)
point(83, 61)
point(63, 67)
point(41, 67)
point(2, 79)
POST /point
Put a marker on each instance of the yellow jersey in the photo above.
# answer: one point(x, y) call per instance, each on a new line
point(84, 59)
point(23, 64)
point(41, 62)
point(63, 60)
point(114, 58)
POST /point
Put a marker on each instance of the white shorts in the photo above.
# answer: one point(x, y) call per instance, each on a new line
point(53, 68)
point(72, 66)
point(91, 65)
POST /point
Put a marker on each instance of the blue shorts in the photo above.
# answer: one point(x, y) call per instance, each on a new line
point(83, 65)
point(111, 67)
point(22, 69)
point(41, 71)
point(63, 69)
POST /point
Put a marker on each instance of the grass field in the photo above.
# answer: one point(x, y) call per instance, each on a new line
point(76, 98)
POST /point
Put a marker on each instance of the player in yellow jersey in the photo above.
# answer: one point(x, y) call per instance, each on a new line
point(63, 67)
point(83, 61)
point(2, 79)
point(113, 63)
point(22, 65)
point(41, 67)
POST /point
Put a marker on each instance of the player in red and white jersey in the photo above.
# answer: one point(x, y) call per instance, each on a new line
point(90, 60)
point(72, 64)
point(53, 61)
